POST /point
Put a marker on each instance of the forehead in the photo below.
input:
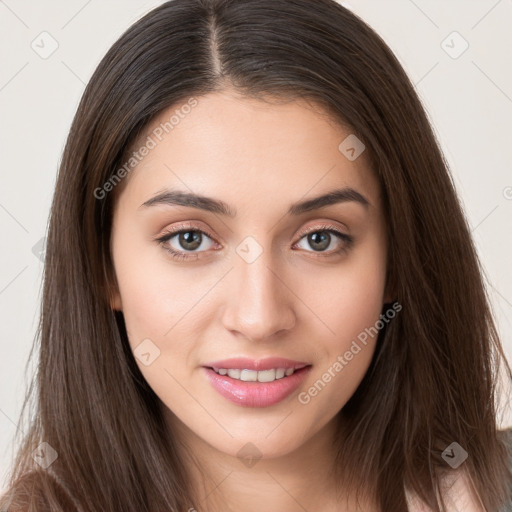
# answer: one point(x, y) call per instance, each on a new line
point(246, 151)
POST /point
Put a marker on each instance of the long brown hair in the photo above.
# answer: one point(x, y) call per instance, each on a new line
point(434, 375)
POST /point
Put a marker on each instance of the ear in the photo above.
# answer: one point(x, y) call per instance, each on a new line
point(115, 301)
point(115, 297)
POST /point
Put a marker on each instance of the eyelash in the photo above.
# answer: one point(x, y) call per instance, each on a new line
point(181, 256)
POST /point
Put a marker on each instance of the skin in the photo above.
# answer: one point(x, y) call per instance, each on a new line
point(291, 302)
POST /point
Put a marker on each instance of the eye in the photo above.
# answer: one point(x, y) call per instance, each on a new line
point(184, 243)
point(179, 242)
point(324, 237)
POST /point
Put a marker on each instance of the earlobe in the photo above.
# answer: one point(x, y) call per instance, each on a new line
point(114, 294)
point(115, 302)
point(115, 298)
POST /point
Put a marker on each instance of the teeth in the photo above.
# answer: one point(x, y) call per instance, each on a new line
point(266, 376)
point(249, 375)
point(234, 374)
point(254, 376)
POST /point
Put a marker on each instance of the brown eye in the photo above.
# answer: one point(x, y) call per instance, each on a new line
point(189, 240)
point(184, 243)
point(320, 240)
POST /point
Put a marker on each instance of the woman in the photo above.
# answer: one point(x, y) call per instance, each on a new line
point(260, 290)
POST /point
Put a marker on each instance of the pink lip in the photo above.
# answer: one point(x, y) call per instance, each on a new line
point(253, 364)
point(256, 394)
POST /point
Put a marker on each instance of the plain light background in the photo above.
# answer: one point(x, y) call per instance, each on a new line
point(455, 51)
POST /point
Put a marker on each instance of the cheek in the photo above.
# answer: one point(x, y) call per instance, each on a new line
point(345, 355)
point(349, 297)
point(165, 309)
point(349, 311)
point(155, 295)
point(156, 304)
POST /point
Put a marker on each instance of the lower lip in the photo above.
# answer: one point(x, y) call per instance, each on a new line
point(256, 394)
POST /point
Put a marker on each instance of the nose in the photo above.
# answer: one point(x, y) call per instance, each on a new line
point(260, 302)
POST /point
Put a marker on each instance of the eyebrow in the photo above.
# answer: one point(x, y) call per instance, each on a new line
point(209, 204)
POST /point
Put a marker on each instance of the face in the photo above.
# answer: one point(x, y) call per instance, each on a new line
point(258, 280)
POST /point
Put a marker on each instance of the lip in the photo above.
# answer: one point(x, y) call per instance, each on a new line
point(256, 364)
point(256, 394)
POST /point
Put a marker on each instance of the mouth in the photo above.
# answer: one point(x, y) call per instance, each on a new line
point(256, 383)
point(246, 375)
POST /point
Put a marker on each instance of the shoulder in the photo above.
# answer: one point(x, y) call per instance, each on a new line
point(458, 489)
point(461, 494)
point(458, 493)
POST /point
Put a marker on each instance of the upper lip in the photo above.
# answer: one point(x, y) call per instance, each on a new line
point(256, 364)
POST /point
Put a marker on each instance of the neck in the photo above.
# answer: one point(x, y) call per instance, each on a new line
point(303, 479)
